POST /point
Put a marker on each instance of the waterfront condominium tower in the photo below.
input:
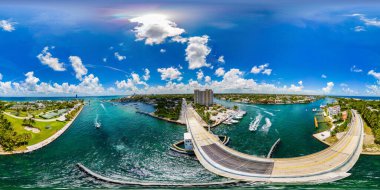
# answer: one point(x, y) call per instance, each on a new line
point(204, 97)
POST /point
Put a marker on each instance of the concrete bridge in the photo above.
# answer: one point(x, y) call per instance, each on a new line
point(328, 165)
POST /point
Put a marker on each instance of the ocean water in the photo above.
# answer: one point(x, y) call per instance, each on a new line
point(135, 147)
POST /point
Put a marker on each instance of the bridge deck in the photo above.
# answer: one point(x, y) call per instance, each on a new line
point(330, 164)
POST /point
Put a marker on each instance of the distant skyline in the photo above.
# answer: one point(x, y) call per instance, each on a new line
point(119, 47)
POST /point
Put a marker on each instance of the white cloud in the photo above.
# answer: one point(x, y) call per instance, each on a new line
point(349, 91)
point(207, 79)
point(373, 90)
point(170, 73)
point(131, 84)
point(200, 75)
point(7, 25)
point(300, 82)
point(328, 88)
point(267, 71)
point(368, 21)
point(179, 39)
point(232, 81)
point(46, 58)
point(261, 69)
point(1, 77)
point(146, 75)
point(343, 85)
point(31, 81)
point(375, 74)
point(255, 70)
point(221, 59)
point(359, 29)
point(119, 57)
point(32, 86)
point(355, 69)
point(90, 83)
point(78, 67)
point(162, 50)
point(104, 59)
point(197, 51)
point(6, 88)
point(155, 28)
point(126, 85)
point(323, 76)
point(219, 72)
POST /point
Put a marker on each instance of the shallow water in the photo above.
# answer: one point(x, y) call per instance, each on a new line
point(134, 147)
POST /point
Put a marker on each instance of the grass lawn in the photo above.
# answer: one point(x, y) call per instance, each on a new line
point(331, 140)
point(322, 127)
point(47, 129)
point(367, 129)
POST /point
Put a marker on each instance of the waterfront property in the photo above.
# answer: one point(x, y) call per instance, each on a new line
point(333, 110)
point(204, 97)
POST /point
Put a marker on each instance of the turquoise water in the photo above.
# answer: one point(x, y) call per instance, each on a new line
point(134, 147)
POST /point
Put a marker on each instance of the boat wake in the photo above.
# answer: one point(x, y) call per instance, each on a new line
point(267, 125)
point(96, 122)
point(104, 108)
point(270, 113)
point(255, 123)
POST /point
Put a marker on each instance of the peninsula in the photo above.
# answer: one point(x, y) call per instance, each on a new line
point(28, 126)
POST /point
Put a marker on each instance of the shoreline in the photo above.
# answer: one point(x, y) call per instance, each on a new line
point(363, 152)
point(249, 103)
point(161, 118)
point(173, 121)
point(45, 142)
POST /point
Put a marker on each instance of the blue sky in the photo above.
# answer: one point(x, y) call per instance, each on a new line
point(125, 47)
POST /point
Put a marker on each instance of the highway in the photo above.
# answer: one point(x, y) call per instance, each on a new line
point(330, 164)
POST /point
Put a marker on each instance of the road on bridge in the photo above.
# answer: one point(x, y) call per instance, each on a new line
point(328, 165)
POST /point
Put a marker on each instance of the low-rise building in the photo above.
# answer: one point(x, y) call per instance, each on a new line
point(334, 110)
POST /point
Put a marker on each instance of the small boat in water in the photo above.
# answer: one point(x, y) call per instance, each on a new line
point(255, 123)
point(233, 121)
point(315, 109)
point(97, 123)
point(227, 122)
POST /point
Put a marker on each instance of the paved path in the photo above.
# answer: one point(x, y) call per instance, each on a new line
point(330, 164)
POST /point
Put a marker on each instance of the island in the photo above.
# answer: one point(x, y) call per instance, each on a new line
point(28, 126)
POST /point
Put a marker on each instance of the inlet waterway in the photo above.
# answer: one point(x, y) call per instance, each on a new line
point(135, 147)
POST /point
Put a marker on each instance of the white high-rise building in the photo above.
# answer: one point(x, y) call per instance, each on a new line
point(204, 97)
